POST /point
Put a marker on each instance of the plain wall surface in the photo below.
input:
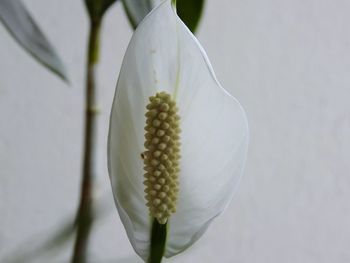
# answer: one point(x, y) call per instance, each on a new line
point(287, 62)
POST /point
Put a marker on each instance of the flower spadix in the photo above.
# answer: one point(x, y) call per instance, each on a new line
point(162, 156)
point(177, 139)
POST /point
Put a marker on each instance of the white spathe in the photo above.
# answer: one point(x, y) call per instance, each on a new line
point(163, 55)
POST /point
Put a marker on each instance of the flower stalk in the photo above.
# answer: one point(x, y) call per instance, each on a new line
point(158, 242)
point(85, 211)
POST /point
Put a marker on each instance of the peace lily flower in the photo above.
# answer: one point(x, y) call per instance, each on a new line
point(177, 139)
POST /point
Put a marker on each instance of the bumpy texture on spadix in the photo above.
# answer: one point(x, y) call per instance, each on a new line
point(161, 157)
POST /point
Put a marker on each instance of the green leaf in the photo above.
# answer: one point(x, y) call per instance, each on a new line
point(97, 8)
point(189, 11)
point(20, 24)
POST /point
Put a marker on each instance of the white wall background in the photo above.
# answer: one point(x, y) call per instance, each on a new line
point(288, 62)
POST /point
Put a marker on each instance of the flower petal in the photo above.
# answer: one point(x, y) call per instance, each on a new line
point(214, 144)
point(163, 55)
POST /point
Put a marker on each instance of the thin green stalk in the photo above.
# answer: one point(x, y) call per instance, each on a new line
point(85, 211)
point(158, 242)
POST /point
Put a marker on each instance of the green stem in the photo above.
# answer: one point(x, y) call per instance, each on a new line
point(158, 242)
point(85, 210)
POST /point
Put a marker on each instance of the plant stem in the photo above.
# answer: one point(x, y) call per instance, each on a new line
point(158, 242)
point(85, 211)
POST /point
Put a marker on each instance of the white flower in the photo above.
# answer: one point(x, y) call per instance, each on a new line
point(163, 55)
